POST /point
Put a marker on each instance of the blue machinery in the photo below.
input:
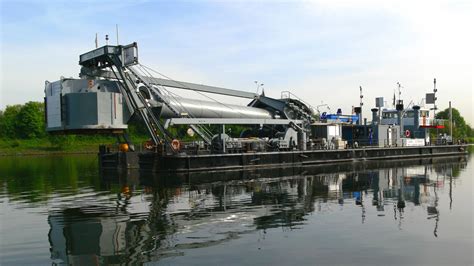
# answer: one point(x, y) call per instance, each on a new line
point(352, 119)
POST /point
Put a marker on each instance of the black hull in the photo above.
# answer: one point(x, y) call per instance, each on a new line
point(155, 163)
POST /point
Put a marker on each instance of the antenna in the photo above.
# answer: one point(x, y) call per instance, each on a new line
point(117, 33)
point(358, 110)
point(258, 85)
point(400, 91)
point(435, 90)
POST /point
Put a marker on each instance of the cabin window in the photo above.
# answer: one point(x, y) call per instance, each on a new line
point(390, 115)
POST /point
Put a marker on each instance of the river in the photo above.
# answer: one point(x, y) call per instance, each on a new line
point(62, 210)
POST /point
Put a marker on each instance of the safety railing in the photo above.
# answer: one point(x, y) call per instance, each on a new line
point(289, 95)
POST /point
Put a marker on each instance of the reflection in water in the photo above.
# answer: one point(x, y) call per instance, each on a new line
point(150, 218)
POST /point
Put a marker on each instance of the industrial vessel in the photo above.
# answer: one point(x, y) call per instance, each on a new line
point(114, 88)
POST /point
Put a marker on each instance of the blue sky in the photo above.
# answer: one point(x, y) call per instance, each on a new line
point(320, 50)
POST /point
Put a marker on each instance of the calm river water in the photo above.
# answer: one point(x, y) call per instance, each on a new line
point(60, 210)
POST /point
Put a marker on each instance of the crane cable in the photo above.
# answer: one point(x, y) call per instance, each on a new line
point(171, 96)
point(200, 93)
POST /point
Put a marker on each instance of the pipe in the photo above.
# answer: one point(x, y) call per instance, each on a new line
point(375, 116)
point(400, 109)
point(358, 112)
point(416, 119)
point(208, 109)
point(400, 123)
point(416, 114)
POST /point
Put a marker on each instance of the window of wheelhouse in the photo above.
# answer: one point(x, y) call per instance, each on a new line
point(409, 114)
point(389, 115)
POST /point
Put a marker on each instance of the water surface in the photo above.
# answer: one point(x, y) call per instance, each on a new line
point(60, 210)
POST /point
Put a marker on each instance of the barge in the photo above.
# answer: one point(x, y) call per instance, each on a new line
point(154, 163)
point(192, 135)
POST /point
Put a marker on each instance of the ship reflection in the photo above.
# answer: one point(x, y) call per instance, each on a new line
point(149, 218)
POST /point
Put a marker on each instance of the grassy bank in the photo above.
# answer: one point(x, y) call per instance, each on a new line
point(57, 145)
point(44, 146)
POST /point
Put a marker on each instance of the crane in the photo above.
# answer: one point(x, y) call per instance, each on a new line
point(115, 70)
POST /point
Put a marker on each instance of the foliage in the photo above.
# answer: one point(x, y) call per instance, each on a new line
point(136, 127)
point(8, 121)
point(460, 128)
point(23, 121)
point(30, 121)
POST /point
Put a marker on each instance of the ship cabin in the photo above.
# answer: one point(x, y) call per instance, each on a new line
point(390, 117)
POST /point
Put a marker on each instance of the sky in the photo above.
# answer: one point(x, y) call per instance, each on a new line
point(321, 51)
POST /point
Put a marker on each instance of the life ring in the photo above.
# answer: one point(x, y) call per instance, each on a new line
point(407, 133)
point(175, 145)
point(148, 145)
point(123, 147)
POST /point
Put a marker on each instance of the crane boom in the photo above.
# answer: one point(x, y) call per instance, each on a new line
point(86, 72)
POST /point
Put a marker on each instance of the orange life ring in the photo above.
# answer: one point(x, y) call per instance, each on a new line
point(175, 145)
point(123, 147)
point(407, 133)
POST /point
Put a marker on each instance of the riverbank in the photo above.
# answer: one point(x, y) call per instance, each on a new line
point(60, 145)
point(42, 147)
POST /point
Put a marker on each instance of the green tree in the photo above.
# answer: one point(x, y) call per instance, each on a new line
point(30, 121)
point(8, 121)
point(1, 121)
point(460, 128)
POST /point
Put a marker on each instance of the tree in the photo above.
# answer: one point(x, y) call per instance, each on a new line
point(460, 128)
point(30, 122)
point(8, 121)
point(1, 123)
